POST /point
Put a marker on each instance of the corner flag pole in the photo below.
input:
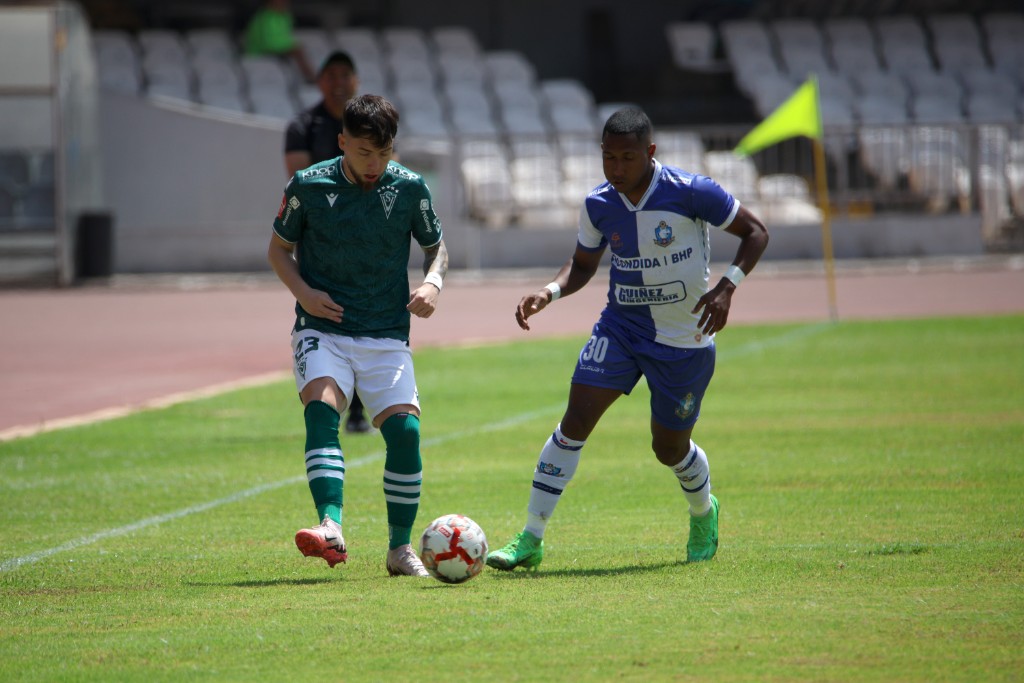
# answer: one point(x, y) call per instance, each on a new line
point(821, 180)
point(800, 115)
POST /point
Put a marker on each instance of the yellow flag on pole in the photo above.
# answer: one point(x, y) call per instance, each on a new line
point(799, 115)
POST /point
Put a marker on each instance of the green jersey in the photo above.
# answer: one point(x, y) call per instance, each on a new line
point(354, 244)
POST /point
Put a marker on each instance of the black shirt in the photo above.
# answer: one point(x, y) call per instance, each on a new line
point(314, 131)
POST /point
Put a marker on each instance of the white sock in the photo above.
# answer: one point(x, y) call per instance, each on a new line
point(695, 479)
point(555, 467)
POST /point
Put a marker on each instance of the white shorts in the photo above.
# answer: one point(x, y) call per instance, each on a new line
point(379, 369)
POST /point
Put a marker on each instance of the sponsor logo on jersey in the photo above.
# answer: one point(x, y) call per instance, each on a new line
point(399, 171)
point(650, 295)
point(424, 205)
point(686, 407)
point(331, 197)
point(646, 262)
point(293, 202)
point(388, 195)
point(322, 172)
point(663, 234)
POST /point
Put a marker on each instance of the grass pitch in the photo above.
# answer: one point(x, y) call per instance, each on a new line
point(870, 475)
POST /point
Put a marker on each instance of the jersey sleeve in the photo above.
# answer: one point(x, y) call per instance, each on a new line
point(289, 220)
point(589, 237)
point(426, 225)
point(712, 203)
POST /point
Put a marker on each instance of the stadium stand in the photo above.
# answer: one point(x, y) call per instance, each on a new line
point(904, 98)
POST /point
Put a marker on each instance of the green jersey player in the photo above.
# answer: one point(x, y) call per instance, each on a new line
point(341, 245)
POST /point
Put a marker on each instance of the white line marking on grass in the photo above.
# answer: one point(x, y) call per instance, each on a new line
point(753, 347)
point(256, 490)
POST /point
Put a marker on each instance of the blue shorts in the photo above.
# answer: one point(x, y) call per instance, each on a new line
point(615, 358)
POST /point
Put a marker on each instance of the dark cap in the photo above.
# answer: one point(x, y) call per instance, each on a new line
point(338, 57)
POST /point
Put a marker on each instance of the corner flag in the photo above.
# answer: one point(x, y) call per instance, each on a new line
point(799, 115)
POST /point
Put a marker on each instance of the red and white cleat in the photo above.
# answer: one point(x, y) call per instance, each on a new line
point(323, 541)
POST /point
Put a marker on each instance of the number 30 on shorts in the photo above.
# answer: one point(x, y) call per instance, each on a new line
point(595, 349)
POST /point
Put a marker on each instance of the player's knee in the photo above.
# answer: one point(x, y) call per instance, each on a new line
point(401, 431)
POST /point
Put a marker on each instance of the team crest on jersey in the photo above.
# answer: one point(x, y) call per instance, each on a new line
point(663, 234)
point(616, 241)
point(302, 368)
point(388, 195)
point(686, 406)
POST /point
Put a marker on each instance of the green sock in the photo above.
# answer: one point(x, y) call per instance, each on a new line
point(325, 463)
point(403, 475)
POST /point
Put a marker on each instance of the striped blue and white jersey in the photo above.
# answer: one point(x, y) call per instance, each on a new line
point(660, 251)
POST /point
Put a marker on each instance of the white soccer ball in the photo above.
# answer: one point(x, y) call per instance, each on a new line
point(453, 548)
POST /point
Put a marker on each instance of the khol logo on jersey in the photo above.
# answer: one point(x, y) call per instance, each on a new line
point(663, 234)
point(388, 195)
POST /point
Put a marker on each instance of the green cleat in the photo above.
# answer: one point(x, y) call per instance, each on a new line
point(703, 542)
point(525, 550)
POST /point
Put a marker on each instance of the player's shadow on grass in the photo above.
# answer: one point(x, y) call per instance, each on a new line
point(264, 583)
point(592, 571)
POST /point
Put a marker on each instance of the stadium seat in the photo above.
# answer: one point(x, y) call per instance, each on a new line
point(692, 45)
point(991, 108)
point(955, 57)
point(935, 109)
point(264, 72)
point(316, 43)
point(738, 175)
point(272, 101)
point(211, 44)
point(848, 31)
point(113, 47)
point(466, 122)
point(406, 69)
point(488, 186)
point(855, 58)
point(804, 32)
point(882, 85)
point(571, 119)
point(681, 149)
point(459, 69)
point(988, 82)
point(880, 109)
point(406, 41)
point(930, 83)
point(120, 77)
point(162, 46)
point(363, 44)
point(566, 92)
point(455, 41)
point(509, 66)
point(907, 58)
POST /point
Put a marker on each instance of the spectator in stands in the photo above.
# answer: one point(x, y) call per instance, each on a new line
point(271, 32)
point(312, 137)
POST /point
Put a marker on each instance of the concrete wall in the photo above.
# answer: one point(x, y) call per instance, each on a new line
point(192, 191)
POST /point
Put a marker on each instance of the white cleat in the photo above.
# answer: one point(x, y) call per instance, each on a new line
point(323, 541)
point(403, 561)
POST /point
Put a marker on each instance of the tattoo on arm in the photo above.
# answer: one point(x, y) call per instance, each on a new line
point(436, 260)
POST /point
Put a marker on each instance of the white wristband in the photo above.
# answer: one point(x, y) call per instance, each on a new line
point(734, 274)
point(434, 279)
point(555, 290)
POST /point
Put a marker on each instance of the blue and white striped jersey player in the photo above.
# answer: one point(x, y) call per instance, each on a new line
point(341, 245)
point(660, 322)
